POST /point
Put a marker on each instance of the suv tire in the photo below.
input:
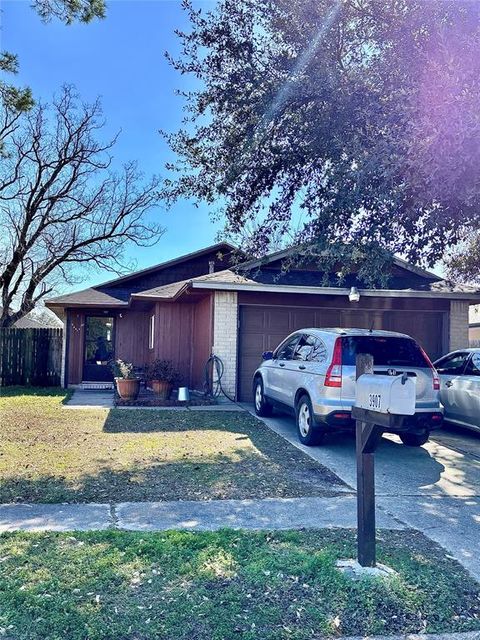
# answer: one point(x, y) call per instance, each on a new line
point(414, 439)
point(308, 433)
point(262, 407)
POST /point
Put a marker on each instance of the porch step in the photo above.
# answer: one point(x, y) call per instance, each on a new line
point(97, 385)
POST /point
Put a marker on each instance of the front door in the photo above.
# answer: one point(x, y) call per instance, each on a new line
point(99, 349)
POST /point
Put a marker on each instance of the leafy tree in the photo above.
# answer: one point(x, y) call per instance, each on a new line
point(60, 204)
point(356, 120)
point(70, 10)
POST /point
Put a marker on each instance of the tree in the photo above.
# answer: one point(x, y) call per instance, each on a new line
point(357, 118)
point(61, 206)
point(18, 100)
point(70, 10)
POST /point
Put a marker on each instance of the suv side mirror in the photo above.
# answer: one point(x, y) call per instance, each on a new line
point(267, 355)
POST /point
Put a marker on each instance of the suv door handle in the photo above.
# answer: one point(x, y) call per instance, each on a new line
point(449, 383)
point(281, 364)
point(302, 367)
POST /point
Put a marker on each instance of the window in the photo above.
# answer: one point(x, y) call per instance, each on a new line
point(310, 349)
point(386, 351)
point(452, 365)
point(151, 333)
point(286, 350)
point(473, 365)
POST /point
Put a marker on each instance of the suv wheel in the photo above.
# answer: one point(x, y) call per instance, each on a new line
point(308, 433)
point(262, 407)
point(414, 439)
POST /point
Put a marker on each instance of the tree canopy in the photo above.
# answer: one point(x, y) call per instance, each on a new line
point(348, 125)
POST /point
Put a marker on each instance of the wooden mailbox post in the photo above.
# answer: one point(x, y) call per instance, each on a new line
point(370, 424)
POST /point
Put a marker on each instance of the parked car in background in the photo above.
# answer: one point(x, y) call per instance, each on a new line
point(459, 373)
point(312, 373)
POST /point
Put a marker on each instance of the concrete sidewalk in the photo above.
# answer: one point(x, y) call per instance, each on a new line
point(271, 513)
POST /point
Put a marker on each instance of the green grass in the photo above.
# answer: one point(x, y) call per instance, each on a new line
point(216, 586)
point(50, 453)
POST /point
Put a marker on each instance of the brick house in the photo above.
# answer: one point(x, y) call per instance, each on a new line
point(198, 304)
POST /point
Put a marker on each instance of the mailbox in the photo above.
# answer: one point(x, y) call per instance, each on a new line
point(386, 394)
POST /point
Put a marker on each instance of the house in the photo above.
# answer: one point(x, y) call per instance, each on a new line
point(35, 321)
point(474, 326)
point(198, 304)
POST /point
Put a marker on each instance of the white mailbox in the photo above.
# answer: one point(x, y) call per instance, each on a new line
point(386, 394)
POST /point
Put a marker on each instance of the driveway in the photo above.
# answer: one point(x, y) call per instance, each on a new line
point(435, 488)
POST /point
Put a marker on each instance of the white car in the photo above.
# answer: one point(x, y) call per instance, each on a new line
point(459, 373)
point(312, 373)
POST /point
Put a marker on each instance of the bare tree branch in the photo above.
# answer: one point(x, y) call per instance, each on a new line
point(61, 205)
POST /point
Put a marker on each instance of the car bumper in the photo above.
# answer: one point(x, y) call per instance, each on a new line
point(418, 423)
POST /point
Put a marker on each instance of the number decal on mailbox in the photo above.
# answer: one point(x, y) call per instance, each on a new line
point(375, 401)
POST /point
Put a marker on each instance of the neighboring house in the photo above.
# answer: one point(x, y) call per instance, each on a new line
point(195, 305)
point(31, 322)
point(474, 326)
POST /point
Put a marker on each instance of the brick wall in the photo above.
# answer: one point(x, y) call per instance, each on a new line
point(458, 333)
point(225, 336)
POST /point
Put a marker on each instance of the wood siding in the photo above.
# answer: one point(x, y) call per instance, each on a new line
point(173, 335)
point(202, 341)
point(131, 337)
point(75, 329)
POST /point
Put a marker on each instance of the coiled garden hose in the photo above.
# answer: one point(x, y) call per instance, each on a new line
point(214, 370)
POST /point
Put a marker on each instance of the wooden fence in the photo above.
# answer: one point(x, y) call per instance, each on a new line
point(31, 357)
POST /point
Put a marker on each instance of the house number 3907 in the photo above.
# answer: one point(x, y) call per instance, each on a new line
point(374, 401)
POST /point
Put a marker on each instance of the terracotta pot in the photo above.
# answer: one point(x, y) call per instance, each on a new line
point(162, 389)
point(128, 389)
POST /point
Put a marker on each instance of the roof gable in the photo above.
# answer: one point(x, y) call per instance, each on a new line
point(117, 292)
point(402, 270)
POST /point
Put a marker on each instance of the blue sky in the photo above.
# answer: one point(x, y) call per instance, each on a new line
point(121, 59)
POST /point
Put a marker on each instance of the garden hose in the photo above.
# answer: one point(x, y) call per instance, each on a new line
point(214, 370)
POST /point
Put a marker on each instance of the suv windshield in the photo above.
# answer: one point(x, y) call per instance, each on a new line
point(386, 351)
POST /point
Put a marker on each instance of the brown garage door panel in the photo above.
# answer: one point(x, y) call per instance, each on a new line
point(262, 328)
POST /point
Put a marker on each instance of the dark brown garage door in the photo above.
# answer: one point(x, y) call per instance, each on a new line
point(262, 328)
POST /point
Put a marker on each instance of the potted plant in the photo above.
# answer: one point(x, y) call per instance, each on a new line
point(162, 376)
point(128, 384)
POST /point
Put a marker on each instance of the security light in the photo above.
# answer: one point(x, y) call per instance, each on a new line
point(354, 295)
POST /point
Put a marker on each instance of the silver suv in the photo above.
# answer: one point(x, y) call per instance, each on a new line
point(312, 373)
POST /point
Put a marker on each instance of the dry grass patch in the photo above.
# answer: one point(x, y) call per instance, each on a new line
point(50, 453)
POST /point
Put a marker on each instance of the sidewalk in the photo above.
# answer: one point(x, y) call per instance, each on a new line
point(267, 514)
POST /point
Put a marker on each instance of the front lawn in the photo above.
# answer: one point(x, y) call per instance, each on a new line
point(50, 453)
point(223, 585)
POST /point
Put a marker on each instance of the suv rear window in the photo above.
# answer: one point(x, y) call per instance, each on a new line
point(388, 351)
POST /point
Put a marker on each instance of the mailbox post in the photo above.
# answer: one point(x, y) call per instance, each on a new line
point(367, 437)
point(381, 404)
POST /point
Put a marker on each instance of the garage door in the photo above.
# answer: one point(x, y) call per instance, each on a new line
point(262, 328)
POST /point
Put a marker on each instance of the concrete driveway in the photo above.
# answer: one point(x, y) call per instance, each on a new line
point(434, 488)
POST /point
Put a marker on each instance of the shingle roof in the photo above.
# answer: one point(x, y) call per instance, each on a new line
point(169, 291)
point(89, 297)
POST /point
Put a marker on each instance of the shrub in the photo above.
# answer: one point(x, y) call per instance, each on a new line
point(163, 370)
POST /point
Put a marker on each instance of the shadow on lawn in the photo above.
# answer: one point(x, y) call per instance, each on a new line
point(218, 477)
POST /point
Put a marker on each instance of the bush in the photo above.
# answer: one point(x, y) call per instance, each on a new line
point(163, 370)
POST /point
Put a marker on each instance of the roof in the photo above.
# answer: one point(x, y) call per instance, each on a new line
point(112, 294)
point(170, 263)
point(253, 276)
point(284, 253)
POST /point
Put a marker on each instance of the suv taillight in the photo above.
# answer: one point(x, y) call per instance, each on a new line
point(333, 377)
point(436, 379)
